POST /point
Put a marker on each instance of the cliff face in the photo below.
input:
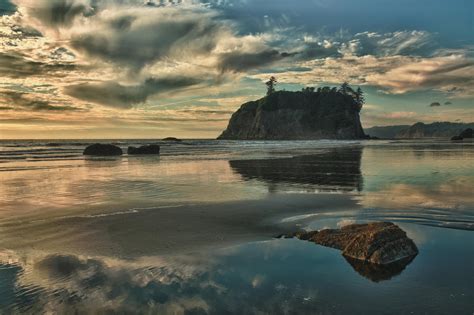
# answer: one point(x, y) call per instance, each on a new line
point(296, 115)
point(419, 130)
point(434, 130)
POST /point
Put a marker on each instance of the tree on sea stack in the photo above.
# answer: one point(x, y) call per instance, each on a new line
point(359, 98)
point(271, 85)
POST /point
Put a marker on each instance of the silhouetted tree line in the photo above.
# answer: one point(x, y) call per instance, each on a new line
point(345, 89)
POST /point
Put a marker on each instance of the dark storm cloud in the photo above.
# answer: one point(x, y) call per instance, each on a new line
point(436, 104)
point(316, 51)
point(239, 62)
point(25, 101)
point(121, 96)
point(136, 39)
point(56, 13)
point(16, 66)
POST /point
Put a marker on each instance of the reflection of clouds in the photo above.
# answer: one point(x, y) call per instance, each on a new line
point(452, 195)
point(67, 282)
point(253, 279)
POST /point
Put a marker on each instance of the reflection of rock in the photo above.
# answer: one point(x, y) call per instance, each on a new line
point(145, 149)
point(99, 149)
point(338, 169)
point(377, 272)
point(378, 243)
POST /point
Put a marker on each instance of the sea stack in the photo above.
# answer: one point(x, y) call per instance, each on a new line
point(304, 115)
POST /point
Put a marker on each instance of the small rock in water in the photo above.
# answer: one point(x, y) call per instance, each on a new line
point(99, 149)
point(145, 149)
point(378, 243)
point(172, 139)
point(457, 138)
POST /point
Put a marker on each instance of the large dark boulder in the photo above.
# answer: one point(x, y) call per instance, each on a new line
point(467, 133)
point(99, 149)
point(285, 115)
point(379, 243)
point(145, 149)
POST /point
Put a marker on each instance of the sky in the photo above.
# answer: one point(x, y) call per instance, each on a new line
point(152, 69)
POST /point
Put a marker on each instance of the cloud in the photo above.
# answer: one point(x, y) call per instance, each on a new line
point(24, 101)
point(437, 104)
point(16, 66)
point(451, 74)
point(237, 61)
point(134, 37)
point(412, 43)
point(54, 13)
point(116, 95)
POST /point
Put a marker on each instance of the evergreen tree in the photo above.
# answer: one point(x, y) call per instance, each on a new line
point(359, 98)
point(271, 85)
point(344, 89)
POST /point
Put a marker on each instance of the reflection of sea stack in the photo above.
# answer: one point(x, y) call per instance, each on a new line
point(144, 149)
point(337, 169)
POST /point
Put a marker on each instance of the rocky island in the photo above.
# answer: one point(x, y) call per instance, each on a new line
point(325, 113)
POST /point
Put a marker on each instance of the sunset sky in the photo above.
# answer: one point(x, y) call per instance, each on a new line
point(151, 69)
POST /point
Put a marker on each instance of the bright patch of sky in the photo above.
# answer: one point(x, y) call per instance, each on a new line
point(134, 68)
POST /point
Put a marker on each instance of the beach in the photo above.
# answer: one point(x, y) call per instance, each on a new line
point(193, 230)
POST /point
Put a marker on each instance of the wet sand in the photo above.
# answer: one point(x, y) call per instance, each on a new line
point(171, 230)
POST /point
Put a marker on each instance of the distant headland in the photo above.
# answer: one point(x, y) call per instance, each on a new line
point(419, 130)
point(322, 113)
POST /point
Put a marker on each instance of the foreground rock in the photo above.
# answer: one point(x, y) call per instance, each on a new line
point(99, 149)
point(379, 243)
point(285, 115)
point(145, 149)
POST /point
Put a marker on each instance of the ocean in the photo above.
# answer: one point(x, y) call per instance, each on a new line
point(193, 231)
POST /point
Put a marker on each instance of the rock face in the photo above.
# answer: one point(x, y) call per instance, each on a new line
point(145, 149)
point(296, 115)
point(379, 243)
point(467, 133)
point(434, 130)
point(99, 149)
